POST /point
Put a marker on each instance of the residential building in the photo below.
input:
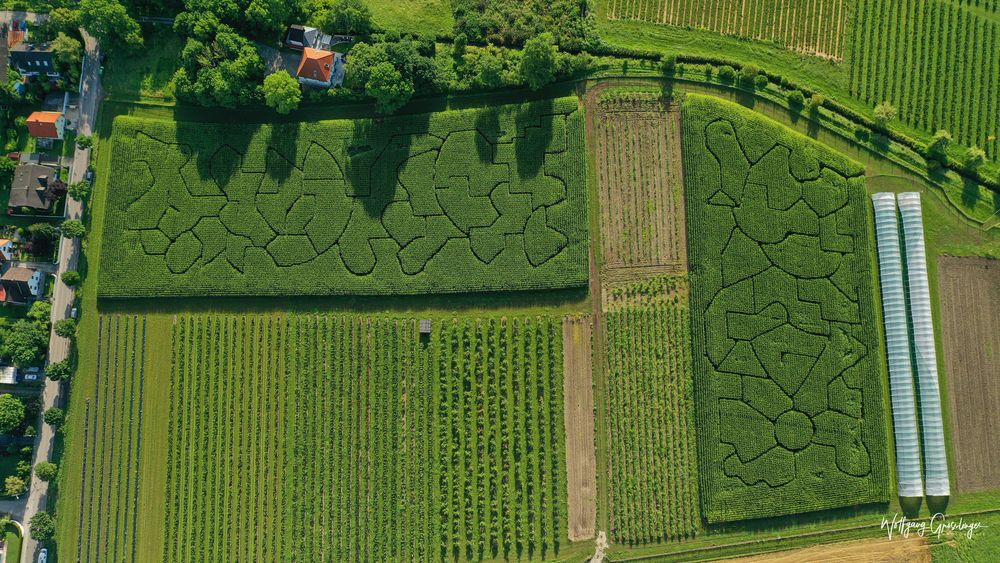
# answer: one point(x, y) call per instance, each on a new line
point(35, 186)
point(321, 69)
point(47, 125)
point(32, 59)
point(21, 284)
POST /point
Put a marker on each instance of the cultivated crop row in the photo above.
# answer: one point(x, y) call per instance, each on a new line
point(816, 27)
point(351, 438)
point(112, 433)
point(500, 428)
point(931, 60)
point(653, 469)
point(639, 183)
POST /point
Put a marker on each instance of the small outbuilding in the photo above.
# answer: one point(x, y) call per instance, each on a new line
point(425, 326)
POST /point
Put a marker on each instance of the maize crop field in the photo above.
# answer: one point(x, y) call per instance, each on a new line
point(652, 467)
point(456, 201)
point(316, 437)
point(786, 353)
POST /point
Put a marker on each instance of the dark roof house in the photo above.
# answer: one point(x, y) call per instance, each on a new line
point(30, 59)
point(21, 284)
point(35, 186)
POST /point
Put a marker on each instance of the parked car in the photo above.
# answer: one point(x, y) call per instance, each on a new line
point(43, 555)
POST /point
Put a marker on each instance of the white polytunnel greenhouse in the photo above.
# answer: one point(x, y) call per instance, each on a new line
point(935, 458)
point(904, 416)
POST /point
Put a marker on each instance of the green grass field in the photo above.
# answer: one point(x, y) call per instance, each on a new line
point(427, 17)
point(787, 362)
point(471, 200)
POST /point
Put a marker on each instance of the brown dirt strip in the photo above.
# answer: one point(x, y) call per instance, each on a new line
point(969, 296)
point(902, 550)
point(578, 391)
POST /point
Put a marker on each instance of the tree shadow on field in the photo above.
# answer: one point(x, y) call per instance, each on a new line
point(375, 151)
point(208, 141)
point(971, 193)
point(488, 125)
point(284, 140)
point(779, 523)
point(535, 123)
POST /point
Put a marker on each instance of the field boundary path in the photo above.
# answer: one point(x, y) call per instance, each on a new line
point(63, 296)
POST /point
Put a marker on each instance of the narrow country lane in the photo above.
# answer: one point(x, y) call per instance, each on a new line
point(62, 299)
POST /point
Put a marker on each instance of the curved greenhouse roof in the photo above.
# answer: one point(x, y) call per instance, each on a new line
point(935, 457)
point(897, 337)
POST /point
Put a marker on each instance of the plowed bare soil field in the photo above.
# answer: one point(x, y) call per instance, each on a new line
point(970, 329)
point(897, 550)
point(581, 479)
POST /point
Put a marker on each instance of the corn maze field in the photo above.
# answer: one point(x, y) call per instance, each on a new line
point(639, 180)
point(814, 27)
point(936, 61)
point(652, 469)
point(788, 384)
point(112, 444)
point(467, 200)
point(375, 445)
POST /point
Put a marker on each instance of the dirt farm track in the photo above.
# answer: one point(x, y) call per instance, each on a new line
point(970, 331)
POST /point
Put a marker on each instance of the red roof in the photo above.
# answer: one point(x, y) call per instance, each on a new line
point(43, 124)
point(316, 64)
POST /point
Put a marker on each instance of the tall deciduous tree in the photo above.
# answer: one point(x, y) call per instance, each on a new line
point(538, 61)
point(343, 16)
point(11, 413)
point(386, 85)
point(282, 92)
point(109, 22)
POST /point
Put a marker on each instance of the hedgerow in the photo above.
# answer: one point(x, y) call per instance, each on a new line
point(785, 349)
point(469, 200)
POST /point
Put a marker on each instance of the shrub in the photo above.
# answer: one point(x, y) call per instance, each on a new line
point(80, 191)
point(11, 413)
point(816, 101)
point(70, 277)
point(46, 470)
point(65, 328)
point(73, 228)
point(884, 113)
point(84, 141)
point(940, 142)
point(727, 73)
point(60, 370)
point(748, 73)
point(760, 81)
point(42, 526)
point(974, 157)
point(668, 64)
point(796, 99)
point(54, 417)
point(14, 485)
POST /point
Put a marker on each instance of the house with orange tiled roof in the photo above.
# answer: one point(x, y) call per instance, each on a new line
point(320, 69)
point(47, 125)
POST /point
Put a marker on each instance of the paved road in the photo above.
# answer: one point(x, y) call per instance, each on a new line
point(62, 299)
